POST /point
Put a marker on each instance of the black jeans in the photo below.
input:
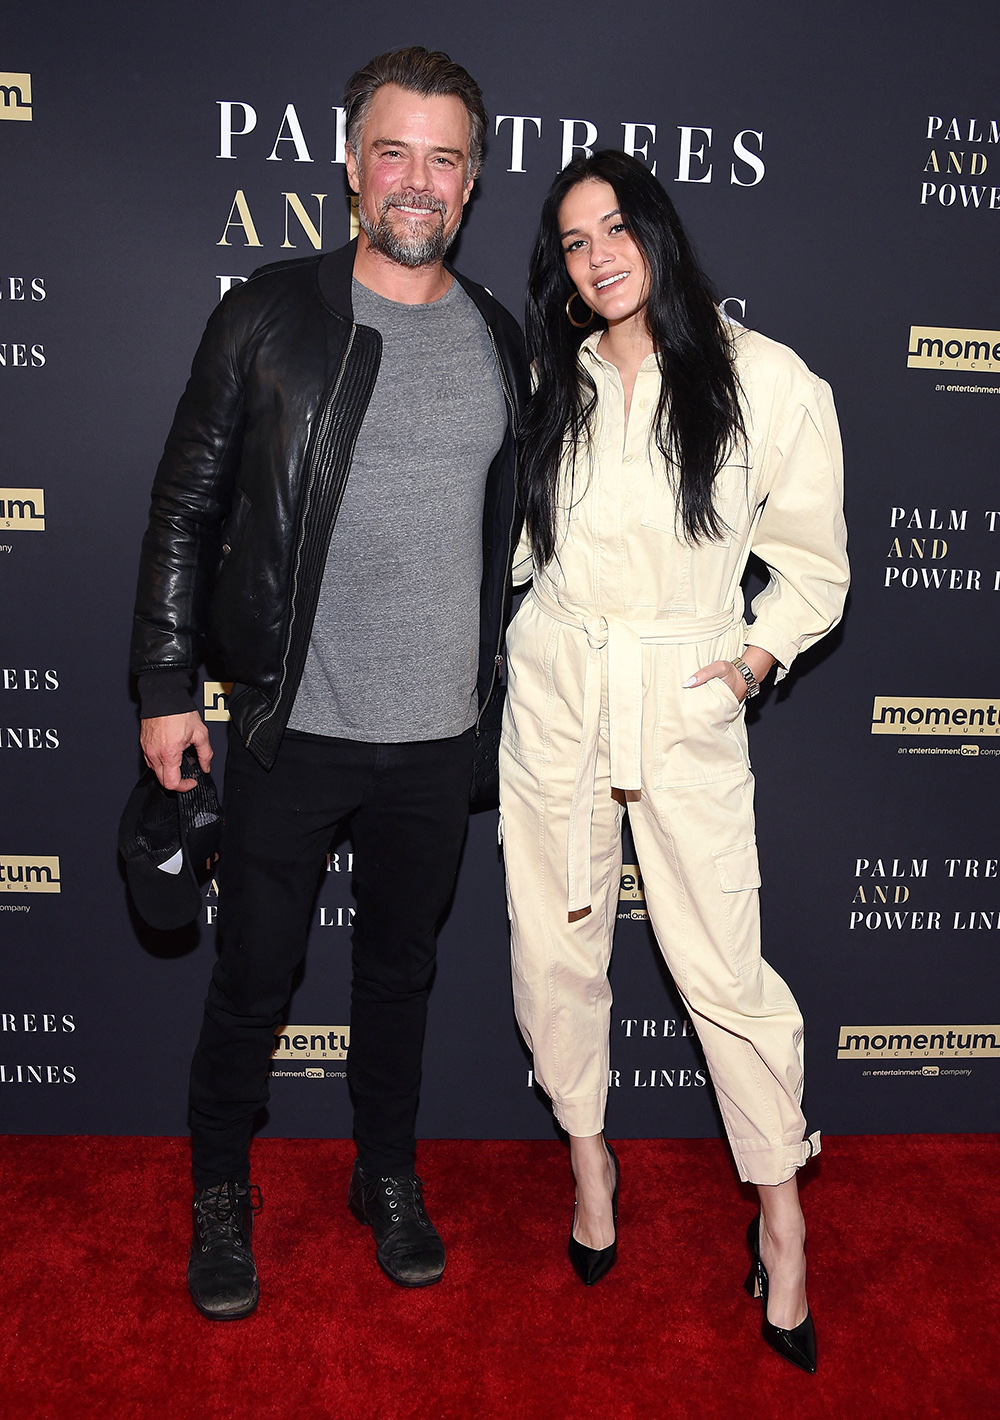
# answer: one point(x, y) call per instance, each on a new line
point(407, 806)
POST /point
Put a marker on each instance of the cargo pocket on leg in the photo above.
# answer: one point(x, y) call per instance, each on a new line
point(739, 876)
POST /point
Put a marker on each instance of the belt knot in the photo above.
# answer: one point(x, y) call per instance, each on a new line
point(596, 628)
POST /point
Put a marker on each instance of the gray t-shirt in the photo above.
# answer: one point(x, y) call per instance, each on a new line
point(394, 652)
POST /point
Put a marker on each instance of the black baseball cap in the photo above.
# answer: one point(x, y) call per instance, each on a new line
point(162, 836)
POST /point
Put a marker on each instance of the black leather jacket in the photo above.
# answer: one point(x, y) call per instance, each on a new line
point(251, 480)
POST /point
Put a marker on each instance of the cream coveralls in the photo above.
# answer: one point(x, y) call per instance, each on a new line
point(597, 655)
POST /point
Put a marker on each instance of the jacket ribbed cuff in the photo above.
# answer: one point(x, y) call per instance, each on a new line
point(166, 692)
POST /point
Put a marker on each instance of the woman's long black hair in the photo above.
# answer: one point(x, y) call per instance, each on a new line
point(698, 422)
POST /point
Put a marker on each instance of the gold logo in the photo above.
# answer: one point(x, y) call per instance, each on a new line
point(917, 715)
point(914, 1042)
point(28, 874)
point(15, 96)
point(216, 703)
point(22, 509)
point(632, 894)
point(311, 1043)
point(944, 348)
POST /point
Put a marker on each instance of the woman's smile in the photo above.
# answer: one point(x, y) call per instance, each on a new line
point(610, 280)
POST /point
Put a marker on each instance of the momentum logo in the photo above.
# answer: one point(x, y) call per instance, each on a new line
point(28, 874)
point(632, 894)
point(916, 715)
point(15, 96)
point(914, 1042)
point(943, 348)
point(22, 509)
point(311, 1043)
point(216, 703)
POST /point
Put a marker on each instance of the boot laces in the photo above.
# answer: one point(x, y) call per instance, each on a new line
point(405, 1197)
point(219, 1212)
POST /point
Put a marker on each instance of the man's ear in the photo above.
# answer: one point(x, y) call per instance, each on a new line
point(353, 173)
point(467, 190)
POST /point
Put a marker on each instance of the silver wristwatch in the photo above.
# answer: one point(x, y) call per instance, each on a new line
point(752, 686)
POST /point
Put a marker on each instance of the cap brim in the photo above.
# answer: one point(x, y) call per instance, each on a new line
point(164, 900)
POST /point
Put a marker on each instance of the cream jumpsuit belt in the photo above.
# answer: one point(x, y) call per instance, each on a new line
point(624, 641)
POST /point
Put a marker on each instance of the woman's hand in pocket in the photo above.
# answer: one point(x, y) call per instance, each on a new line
point(719, 670)
point(758, 660)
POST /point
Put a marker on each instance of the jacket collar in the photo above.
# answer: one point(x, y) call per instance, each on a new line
point(336, 270)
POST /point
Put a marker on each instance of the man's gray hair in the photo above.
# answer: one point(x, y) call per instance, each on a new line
point(421, 71)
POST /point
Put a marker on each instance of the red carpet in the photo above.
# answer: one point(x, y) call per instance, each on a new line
point(904, 1268)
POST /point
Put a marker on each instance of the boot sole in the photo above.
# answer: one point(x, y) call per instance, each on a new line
point(227, 1316)
point(402, 1282)
point(230, 1315)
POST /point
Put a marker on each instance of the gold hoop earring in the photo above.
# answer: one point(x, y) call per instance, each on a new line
point(579, 324)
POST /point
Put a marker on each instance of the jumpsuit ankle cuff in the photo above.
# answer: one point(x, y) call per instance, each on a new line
point(762, 1161)
point(582, 1115)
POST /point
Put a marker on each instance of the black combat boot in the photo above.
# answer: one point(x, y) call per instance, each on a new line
point(222, 1278)
point(407, 1244)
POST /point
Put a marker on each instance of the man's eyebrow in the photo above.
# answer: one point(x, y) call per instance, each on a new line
point(402, 143)
point(574, 231)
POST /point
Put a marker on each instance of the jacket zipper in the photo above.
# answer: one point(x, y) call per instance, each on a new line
point(498, 658)
point(326, 417)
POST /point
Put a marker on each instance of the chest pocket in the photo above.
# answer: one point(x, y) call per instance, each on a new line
point(659, 509)
point(233, 528)
point(732, 494)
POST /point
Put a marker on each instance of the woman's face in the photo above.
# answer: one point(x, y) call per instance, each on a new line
point(603, 262)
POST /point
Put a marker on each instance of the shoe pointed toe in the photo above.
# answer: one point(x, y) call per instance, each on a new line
point(797, 1344)
point(592, 1263)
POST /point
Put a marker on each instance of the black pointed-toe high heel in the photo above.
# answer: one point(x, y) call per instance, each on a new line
point(592, 1263)
point(797, 1344)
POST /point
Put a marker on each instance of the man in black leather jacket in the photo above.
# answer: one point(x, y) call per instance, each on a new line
point(334, 517)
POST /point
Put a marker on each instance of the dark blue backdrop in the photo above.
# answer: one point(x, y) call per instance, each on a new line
point(837, 167)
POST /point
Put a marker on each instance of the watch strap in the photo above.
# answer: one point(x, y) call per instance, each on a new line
point(753, 687)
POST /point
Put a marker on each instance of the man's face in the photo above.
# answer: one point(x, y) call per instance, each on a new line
point(411, 174)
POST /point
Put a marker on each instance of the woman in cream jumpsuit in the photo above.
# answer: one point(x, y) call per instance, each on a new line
point(621, 689)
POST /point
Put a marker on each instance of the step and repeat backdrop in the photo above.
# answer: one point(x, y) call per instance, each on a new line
point(839, 168)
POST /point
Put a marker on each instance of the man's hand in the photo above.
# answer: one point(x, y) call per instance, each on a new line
point(164, 738)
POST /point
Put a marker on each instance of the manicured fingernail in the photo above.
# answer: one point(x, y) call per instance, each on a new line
point(688, 683)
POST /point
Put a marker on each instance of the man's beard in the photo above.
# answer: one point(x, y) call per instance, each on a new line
point(407, 246)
